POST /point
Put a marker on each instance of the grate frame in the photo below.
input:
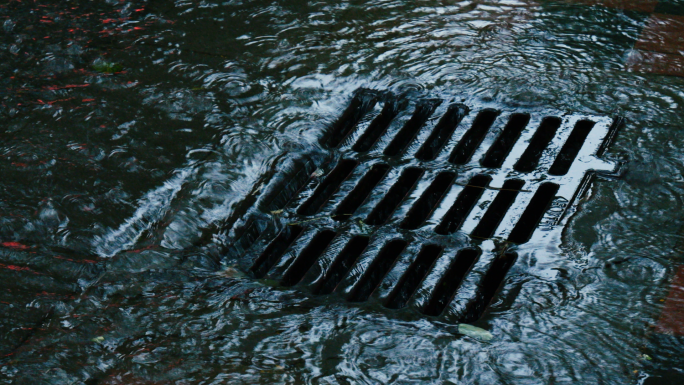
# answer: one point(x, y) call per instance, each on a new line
point(461, 186)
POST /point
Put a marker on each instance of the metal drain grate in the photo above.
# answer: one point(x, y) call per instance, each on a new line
point(434, 200)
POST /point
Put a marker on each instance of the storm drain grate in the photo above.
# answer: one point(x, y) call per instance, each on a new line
point(422, 204)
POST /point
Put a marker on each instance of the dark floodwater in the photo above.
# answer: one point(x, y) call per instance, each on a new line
point(128, 128)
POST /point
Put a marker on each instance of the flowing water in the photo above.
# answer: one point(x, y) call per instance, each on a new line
point(130, 129)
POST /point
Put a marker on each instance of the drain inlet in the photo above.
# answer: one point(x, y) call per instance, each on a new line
point(377, 127)
point(275, 250)
point(497, 209)
point(408, 132)
point(396, 194)
point(529, 220)
point(490, 285)
point(361, 191)
point(414, 275)
point(473, 137)
point(427, 202)
point(307, 257)
point(328, 187)
point(504, 142)
point(377, 270)
point(446, 287)
point(442, 132)
point(571, 147)
point(340, 266)
point(463, 205)
point(540, 140)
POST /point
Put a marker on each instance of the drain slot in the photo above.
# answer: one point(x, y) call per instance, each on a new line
point(361, 192)
point(408, 132)
point(414, 275)
point(307, 257)
point(540, 202)
point(503, 144)
point(377, 270)
point(396, 194)
point(328, 187)
point(359, 106)
point(445, 290)
point(571, 147)
point(466, 200)
point(377, 127)
point(490, 285)
point(427, 202)
point(442, 132)
point(540, 140)
point(275, 250)
point(497, 209)
point(340, 266)
point(473, 137)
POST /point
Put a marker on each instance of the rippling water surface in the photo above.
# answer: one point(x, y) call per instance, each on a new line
point(130, 129)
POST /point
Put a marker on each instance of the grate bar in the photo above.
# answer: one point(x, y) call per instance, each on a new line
point(396, 194)
point(377, 270)
point(571, 148)
point(341, 265)
point(442, 132)
point(328, 187)
point(307, 257)
point(427, 202)
point(360, 105)
point(361, 191)
point(275, 250)
point(377, 127)
point(464, 204)
point(408, 132)
point(497, 209)
point(446, 287)
point(540, 140)
point(471, 140)
point(490, 284)
point(503, 144)
point(414, 275)
point(522, 232)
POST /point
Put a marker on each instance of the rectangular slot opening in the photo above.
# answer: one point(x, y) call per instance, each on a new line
point(377, 127)
point(490, 285)
point(442, 132)
point(427, 202)
point(529, 220)
point(396, 194)
point(571, 147)
point(408, 132)
point(471, 140)
point(414, 275)
point(275, 250)
point(359, 106)
point(360, 192)
point(503, 144)
point(328, 187)
point(466, 200)
point(377, 270)
point(340, 266)
point(307, 257)
point(445, 290)
point(540, 140)
point(497, 209)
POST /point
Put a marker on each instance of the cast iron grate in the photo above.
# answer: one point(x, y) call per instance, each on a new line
point(421, 204)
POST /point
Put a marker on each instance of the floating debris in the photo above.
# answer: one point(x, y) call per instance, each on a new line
point(475, 332)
